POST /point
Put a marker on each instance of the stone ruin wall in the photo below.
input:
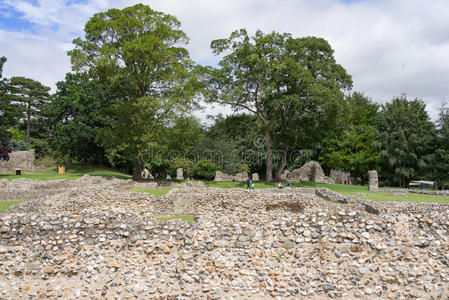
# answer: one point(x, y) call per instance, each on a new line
point(310, 171)
point(23, 160)
point(339, 176)
point(220, 176)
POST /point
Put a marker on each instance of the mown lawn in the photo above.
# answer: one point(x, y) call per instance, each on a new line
point(156, 192)
point(4, 205)
point(410, 197)
point(344, 189)
point(72, 172)
point(186, 218)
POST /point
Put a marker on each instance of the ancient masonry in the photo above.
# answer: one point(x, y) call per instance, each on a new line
point(92, 238)
point(23, 160)
point(373, 184)
point(339, 176)
point(220, 176)
point(179, 174)
point(310, 171)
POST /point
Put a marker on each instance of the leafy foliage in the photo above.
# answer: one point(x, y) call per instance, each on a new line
point(181, 162)
point(275, 76)
point(139, 52)
point(205, 169)
point(18, 145)
point(5, 149)
point(31, 95)
point(405, 140)
point(9, 113)
point(351, 147)
point(76, 114)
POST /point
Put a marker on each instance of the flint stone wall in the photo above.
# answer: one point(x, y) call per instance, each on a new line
point(373, 183)
point(180, 174)
point(339, 176)
point(220, 176)
point(310, 171)
point(273, 236)
point(23, 160)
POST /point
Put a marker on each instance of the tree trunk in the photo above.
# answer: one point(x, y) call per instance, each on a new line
point(137, 169)
point(282, 163)
point(269, 173)
point(28, 124)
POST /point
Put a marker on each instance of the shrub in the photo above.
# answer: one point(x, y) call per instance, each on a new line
point(5, 149)
point(242, 167)
point(181, 162)
point(19, 145)
point(205, 169)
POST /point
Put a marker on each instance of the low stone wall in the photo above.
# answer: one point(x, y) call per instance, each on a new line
point(339, 176)
point(98, 241)
point(310, 171)
point(23, 160)
point(220, 176)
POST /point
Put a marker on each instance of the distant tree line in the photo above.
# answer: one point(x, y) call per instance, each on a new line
point(130, 100)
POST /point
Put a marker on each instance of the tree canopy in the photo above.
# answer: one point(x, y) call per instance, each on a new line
point(274, 76)
point(140, 53)
point(31, 95)
point(405, 141)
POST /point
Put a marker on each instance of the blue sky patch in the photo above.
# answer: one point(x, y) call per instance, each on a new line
point(11, 20)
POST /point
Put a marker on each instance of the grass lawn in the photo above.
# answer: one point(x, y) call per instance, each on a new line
point(344, 189)
point(156, 192)
point(72, 172)
point(4, 205)
point(186, 218)
point(410, 197)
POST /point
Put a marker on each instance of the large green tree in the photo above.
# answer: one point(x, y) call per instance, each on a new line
point(9, 113)
point(405, 140)
point(232, 141)
point(351, 145)
point(140, 53)
point(76, 115)
point(440, 167)
point(31, 95)
point(276, 77)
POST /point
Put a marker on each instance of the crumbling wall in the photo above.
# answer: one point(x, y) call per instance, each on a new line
point(220, 176)
point(339, 176)
point(23, 160)
point(310, 171)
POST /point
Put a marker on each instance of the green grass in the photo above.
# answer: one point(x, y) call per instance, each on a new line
point(73, 171)
point(4, 205)
point(156, 192)
point(186, 218)
point(410, 197)
point(344, 189)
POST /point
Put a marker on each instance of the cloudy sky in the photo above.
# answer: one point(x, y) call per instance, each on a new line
point(389, 47)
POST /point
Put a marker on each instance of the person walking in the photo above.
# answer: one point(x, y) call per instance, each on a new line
point(248, 183)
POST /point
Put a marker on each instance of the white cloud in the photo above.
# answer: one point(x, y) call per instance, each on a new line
point(388, 46)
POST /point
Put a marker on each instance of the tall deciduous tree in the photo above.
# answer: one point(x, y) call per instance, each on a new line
point(9, 113)
point(405, 140)
point(76, 115)
point(139, 52)
point(275, 77)
point(31, 95)
point(440, 167)
point(350, 146)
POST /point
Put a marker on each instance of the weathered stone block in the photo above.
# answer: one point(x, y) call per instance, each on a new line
point(179, 174)
point(23, 160)
point(373, 183)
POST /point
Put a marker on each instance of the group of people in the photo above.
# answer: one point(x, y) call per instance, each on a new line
point(250, 185)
